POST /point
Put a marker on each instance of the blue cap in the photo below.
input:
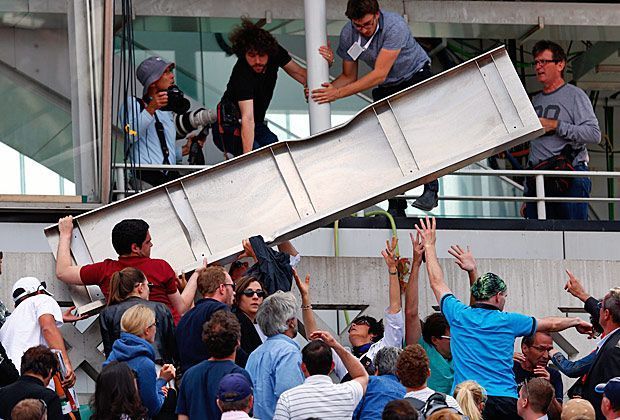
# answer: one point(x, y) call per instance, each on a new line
point(150, 71)
point(234, 387)
point(611, 389)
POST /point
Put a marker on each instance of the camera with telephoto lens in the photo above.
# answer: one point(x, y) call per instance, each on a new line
point(177, 102)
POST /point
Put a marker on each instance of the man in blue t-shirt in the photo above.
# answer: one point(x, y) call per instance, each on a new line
point(199, 387)
point(383, 41)
point(483, 335)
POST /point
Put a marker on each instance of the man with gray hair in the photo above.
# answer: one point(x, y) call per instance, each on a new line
point(275, 365)
point(383, 387)
point(606, 364)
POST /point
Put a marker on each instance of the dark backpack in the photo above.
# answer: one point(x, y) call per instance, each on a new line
point(435, 402)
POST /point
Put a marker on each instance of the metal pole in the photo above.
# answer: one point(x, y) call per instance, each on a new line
point(120, 183)
point(540, 193)
point(106, 119)
point(318, 69)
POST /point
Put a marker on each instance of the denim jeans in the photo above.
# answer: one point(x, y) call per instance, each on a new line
point(580, 187)
point(232, 144)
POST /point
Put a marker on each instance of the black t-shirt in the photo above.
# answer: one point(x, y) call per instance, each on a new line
point(245, 83)
point(521, 375)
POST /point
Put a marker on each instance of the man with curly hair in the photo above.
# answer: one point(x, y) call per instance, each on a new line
point(199, 388)
point(241, 125)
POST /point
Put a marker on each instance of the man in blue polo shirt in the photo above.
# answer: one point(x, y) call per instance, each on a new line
point(483, 335)
point(217, 290)
point(382, 40)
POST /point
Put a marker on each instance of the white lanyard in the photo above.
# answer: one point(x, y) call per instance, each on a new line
point(356, 49)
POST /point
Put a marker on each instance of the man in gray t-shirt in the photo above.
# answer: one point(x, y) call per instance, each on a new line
point(382, 40)
point(568, 118)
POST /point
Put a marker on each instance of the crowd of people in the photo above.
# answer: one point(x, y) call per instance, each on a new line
point(235, 352)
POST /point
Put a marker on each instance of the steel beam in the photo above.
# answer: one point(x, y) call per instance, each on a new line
point(84, 108)
point(455, 118)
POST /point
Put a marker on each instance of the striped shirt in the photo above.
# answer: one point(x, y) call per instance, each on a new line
point(319, 397)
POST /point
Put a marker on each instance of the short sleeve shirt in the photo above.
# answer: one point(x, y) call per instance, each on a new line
point(442, 370)
point(482, 344)
point(158, 272)
point(22, 329)
point(245, 84)
point(393, 34)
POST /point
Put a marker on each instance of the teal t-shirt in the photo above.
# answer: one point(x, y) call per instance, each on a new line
point(442, 370)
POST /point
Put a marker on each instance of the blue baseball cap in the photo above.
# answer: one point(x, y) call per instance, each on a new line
point(234, 387)
point(150, 70)
point(611, 389)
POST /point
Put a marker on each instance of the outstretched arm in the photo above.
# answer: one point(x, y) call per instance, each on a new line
point(389, 256)
point(413, 329)
point(306, 303)
point(559, 323)
point(65, 270)
point(427, 230)
point(466, 262)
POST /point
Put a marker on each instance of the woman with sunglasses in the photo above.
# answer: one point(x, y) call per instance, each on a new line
point(249, 295)
point(129, 287)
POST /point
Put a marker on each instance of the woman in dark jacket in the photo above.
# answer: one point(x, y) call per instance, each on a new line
point(129, 287)
point(249, 295)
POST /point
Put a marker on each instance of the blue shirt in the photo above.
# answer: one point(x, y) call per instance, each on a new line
point(192, 350)
point(393, 34)
point(275, 367)
point(380, 391)
point(146, 147)
point(199, 386)
point(482, 344)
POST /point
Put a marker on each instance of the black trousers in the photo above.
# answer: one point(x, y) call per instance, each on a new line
point(500, 408)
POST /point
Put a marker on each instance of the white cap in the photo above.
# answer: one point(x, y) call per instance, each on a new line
point(26, 286)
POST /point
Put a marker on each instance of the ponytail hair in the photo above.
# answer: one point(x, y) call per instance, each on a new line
point(122, 284)
point(471, 397)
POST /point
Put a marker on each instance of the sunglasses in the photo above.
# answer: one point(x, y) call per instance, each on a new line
point(359, 322)
point(250, 293)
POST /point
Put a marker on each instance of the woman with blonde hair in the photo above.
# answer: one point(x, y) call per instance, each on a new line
point(129, 287)
point(135, 347)
point(471, 397)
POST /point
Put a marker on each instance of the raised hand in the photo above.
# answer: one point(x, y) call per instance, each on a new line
point(418, 249)
point(248, 251)
point(304, 287)
point(574, 287)
point(464, 259)
point(428, 231)
point(389, 254)
point(325, 337)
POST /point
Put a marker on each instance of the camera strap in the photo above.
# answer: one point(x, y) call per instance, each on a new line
point(161, 135)
point(159, 129)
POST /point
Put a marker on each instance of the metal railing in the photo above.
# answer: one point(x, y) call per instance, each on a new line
point(540, 198)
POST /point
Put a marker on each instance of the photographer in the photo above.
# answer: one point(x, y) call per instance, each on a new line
point(241, 125)
point(156, 120)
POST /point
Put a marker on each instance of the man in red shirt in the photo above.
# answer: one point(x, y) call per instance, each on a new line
point(132, 241)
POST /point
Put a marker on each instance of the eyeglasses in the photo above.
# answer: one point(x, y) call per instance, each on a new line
point(365, 25)
point(542, 349)
point(250, 293)
point(229, 284)
point(43, 408)
point(154, 324)
point(543, 62)
point(445, 337)
point(523, 385)
point(599, 305)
